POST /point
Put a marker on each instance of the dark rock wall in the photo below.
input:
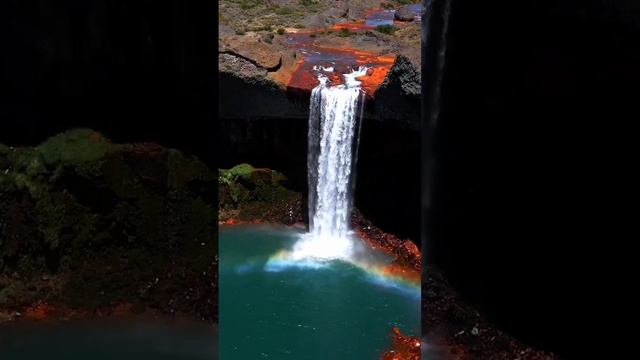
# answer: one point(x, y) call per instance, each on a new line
point(396, 102)
point(276, 144)
point(258, 99)
point(530, 92)
point(398, 98)
point(388, 169)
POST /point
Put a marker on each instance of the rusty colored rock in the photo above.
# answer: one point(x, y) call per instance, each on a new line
point(403, 347)
point(39, 312)
point(406, 253)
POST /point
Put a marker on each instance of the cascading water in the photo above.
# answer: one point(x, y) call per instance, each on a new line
point(332, 125)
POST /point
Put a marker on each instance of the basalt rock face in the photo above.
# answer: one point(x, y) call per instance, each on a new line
point(247, 93)
point(255, 97)
point(388, 165)
point(88, 224)
point(398, 97)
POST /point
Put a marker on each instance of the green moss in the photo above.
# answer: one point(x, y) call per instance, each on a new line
point(344, 32)
point(386, 29)
point(78, 147)
point(249, 193)
point(183, 170)
point(61, 221)
point(22, 168)
point(262, 28)
point(11, 294)
point(283, 10)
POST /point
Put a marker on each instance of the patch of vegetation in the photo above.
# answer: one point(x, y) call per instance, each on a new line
point(283, 10)
point(281, 31)
point(386, 29)
point(248, 193)
point(248, 4)
point(74, 147)
point(309, 2)
point(240, 32)
point(385, 5)
point(262, 28)
point(299, 26)
point(405, 2)
point(344, 32)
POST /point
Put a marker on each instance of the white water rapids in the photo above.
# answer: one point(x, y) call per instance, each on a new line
point(332, 130)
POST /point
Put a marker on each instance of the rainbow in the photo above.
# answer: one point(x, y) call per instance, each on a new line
point(382, 274)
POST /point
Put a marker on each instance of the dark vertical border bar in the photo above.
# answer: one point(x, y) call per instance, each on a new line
point(434, 46)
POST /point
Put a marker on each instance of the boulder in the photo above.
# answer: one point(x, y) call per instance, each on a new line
point(356, 11)
point(315, 21)
point(252, 49)
point(336, 12)
point(404, 14)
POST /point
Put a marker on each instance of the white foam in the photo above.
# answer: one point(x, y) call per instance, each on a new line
point(332, 122)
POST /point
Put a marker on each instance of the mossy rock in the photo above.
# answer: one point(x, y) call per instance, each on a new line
point(183, 170)
point(75, 147)
point(108, 219)
point(249, 193)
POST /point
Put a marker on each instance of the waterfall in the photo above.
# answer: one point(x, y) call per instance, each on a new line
point(332, 130)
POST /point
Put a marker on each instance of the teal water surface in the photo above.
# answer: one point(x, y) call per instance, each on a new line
point(338, 311)
point(106, 340)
